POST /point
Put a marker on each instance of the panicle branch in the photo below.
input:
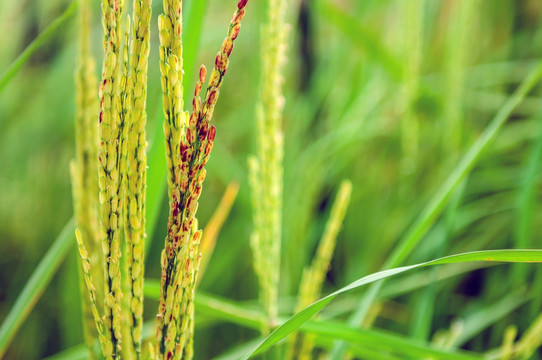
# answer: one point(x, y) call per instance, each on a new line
point(84, 168)
point(265, 169)
point(188, 140)
point(120, 164)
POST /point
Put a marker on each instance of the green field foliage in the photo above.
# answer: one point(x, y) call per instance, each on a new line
point(374, 189)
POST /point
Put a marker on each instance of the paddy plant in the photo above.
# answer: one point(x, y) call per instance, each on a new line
point(189, 141)
point(121, 163)
point(428, 110)
point(120, 157)
point(84, 169)
point(265, 169)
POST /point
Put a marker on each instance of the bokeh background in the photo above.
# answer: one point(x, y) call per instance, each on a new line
point(387, 93)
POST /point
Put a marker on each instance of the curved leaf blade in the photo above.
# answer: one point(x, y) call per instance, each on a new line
point(293, 323)
point(438, 202)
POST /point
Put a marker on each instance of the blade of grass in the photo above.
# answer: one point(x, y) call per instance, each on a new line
point(382, 344)
point(412, 282)
point(205, 305)
point(36, 285)
point(441, 197)
point(380, 340)
point(214, 306)
point(424, 306)
point(526, 201)
point(229, 311)
point(359, 351)
point(437, 203)
point(304, 315)
point(36, 44)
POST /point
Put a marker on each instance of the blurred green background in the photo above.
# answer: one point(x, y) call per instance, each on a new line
point(386, 93)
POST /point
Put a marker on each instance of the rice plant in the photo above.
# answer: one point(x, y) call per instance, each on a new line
point(368, 165)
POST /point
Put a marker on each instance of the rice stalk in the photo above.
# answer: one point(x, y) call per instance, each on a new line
point(530, 341)
point(507, 347)
point(301, 345)
point(109, 154)
point(188, 140)
point(121, 172)
point(85, 262)
point(84, 167)
point(136, 164)
point(265, 169)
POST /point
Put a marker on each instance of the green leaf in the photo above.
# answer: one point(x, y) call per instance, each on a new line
point(376, 340)
point(304, 315)
point(36, 44)
point(527, 201)
point(441, 197)
point(36, 285)
point(439, 200)
point(381, 341)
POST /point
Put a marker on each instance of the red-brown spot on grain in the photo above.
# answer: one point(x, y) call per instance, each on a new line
point(202, 73)
point(197, 193)
point(203, 130)
point(242, 3)
point(175, 211)
point(212, 133)
point(208, 148)
point(235, 31)
point(213, 97)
